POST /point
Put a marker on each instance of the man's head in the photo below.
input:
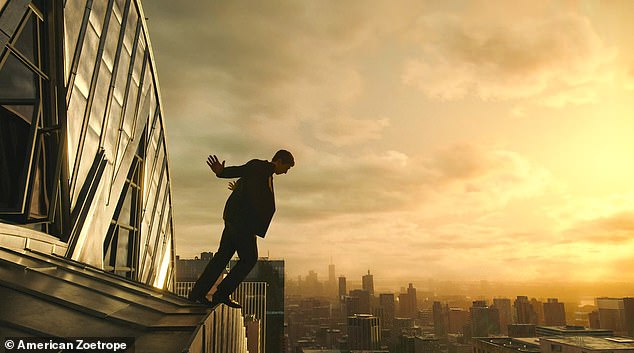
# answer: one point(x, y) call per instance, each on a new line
point(283, 161)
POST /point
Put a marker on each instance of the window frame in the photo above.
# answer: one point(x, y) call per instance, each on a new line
point(47, 138)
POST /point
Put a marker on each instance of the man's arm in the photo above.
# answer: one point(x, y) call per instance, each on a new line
point(251, 168)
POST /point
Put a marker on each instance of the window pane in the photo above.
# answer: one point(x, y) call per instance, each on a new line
point(39, 197)
point(124, 216)
point(14, 139)
point(122, 248)
point(22, 111)
point(26, 43)
point(16, 81)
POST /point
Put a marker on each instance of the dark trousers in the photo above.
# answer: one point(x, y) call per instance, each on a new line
point(232, 240)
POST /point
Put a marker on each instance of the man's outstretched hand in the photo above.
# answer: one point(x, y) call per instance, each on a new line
point(215, 165)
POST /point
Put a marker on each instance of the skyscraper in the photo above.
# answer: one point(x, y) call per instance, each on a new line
point(628, 307)
point(441, 319)
point(612, 314)
point(538, 308)
point(524, 312)
point(364, 332)
point(272, 273)
point(485, 320)
point(332, 281)
point(342, 287)
point(252, 296)
point(368, 283)
point(554, 313)
point(458, 318)
point(407, 302)
point(506, 313)
point(387, 303)
point(364, 301)
point(188, 271)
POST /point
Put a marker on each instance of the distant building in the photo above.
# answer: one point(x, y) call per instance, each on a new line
point(270, 272)
point(332, 281)
point(571, 331)
point(364, 332)
point(388, 306)
point(252, 296)
point(521, 330)
point(485, 320)
point(538, 308)
point(252, 326)
point(441, 319)
point(407, 303)
point(593, 319)
point(364, 301)
point(586, 344)
point(418, 344)
point(554, 313)
point(506, 313)
point(351, 305)
point(342, 287)
point(628, 307)
point(458, 318)
point(188, 271)
point(524, 311)
point(611, 314)
point(506, 345)
point(368, 283)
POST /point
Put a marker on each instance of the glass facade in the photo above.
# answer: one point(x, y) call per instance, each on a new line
point(83, 160)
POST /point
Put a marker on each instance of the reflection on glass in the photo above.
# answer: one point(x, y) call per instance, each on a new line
point(122, 249)
point(164, 265)
point(16, 81)
point(39, 197)
point(26, 42)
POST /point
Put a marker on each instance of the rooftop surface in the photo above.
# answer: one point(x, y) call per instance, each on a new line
point(50, 296)
point(594, 343)
point(519, 344)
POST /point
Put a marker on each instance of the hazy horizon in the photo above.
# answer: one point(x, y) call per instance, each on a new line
point(433, 139)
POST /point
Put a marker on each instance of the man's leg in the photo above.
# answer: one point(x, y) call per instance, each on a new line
point(216, 265)
point(247, 247)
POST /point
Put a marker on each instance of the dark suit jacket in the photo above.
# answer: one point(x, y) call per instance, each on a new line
point(251, 205)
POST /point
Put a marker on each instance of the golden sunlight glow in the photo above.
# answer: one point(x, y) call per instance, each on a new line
point(159, 282)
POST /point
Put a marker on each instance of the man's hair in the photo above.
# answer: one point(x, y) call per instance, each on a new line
point(285, 156)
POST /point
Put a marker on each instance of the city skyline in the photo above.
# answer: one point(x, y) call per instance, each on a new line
point(449, 140)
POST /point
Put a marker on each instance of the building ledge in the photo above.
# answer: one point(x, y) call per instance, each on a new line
point(46, 295)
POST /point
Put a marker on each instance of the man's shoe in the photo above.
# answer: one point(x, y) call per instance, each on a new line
point(226, 301)
point(204, 301)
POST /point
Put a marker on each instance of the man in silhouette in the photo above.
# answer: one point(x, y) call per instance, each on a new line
point(248, 213)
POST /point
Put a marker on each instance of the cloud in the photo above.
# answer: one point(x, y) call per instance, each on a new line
point(575, 210)
point(572, 96)
point(344, 131)
point(508, 57)
point(459, 179)
point(617, 228)
point(472, 179)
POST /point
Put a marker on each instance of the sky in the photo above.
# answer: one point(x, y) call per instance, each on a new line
point(458, 140)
